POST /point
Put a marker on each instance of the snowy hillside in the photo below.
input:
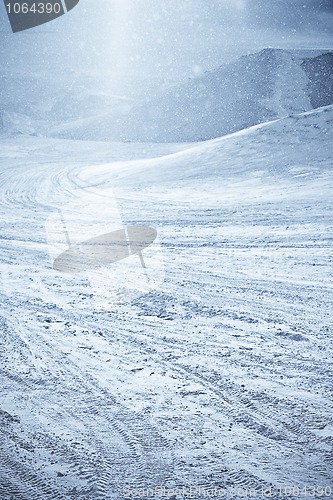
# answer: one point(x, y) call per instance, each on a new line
point(292, 149)
point(218, 375)
point(48, 102)
point(255, 88)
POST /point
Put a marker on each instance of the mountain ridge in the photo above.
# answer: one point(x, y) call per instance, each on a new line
point(253, 89)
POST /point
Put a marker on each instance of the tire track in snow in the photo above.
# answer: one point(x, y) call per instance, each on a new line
point(137, 436)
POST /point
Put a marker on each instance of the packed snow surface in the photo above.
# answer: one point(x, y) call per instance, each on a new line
point(215, 371)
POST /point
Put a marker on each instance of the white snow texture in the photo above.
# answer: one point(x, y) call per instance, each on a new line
point(211, 366)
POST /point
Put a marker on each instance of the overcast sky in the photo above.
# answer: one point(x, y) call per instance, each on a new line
point(164, 39)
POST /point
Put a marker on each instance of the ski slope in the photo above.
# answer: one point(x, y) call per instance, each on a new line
point(215, 374)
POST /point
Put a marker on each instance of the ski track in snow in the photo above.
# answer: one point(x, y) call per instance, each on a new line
point(219, 377)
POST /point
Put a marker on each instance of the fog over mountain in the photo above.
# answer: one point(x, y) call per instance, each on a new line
point(129, 41)
point(255, 88)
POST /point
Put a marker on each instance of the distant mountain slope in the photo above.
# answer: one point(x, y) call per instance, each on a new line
point(254, 89)
point(48, 102)
point(16, 124)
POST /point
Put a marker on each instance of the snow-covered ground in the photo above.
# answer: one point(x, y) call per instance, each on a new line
point(217, 374)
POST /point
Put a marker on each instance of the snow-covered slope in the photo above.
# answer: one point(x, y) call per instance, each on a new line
point(294, 149)
point(221, 375)
point(256, 88)
point(16, 124)
point(50, 102)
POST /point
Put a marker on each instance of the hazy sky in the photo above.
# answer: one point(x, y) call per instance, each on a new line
point(163, 39)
